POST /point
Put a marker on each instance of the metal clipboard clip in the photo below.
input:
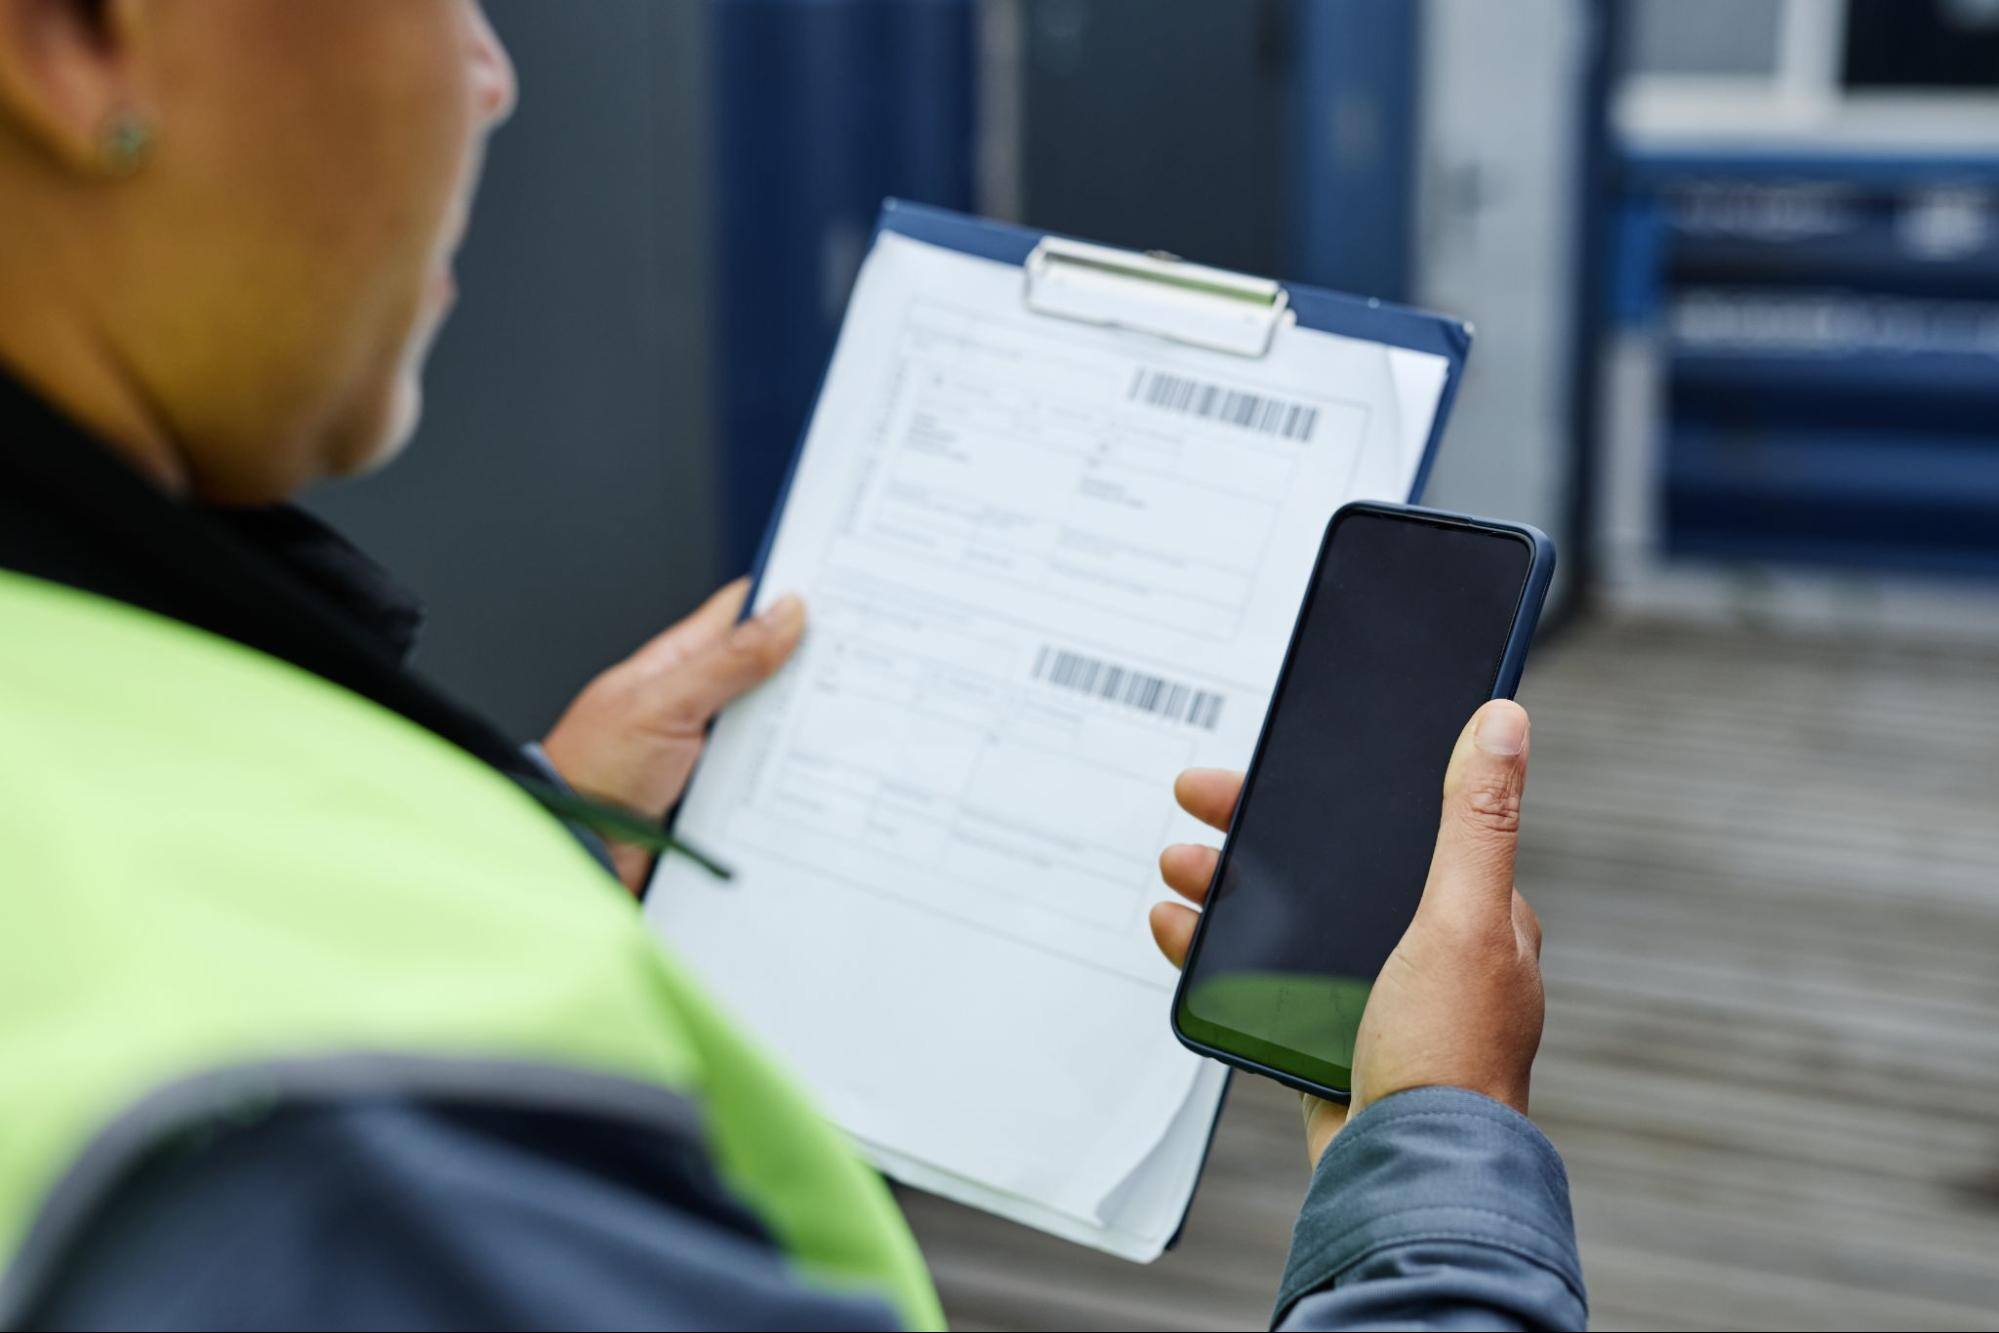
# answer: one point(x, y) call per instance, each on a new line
point(1156, 293)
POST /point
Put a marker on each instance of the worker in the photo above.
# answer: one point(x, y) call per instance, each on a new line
point(315, 1010)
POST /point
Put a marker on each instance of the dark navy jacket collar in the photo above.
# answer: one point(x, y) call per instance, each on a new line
point(275, 579)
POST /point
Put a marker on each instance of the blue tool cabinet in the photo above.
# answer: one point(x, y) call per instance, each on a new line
point(1827, 333)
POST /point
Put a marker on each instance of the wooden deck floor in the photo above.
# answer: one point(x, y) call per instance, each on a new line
point(1769, 874)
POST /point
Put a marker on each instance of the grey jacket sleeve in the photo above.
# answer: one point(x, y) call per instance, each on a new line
point(1436, 1209)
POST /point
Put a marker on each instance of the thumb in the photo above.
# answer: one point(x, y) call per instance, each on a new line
point(1473, 866)
point(685, 697)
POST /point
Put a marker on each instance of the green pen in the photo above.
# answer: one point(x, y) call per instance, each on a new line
point(615, 821)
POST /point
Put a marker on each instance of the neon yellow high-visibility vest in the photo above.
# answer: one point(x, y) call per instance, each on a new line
point(224, 880)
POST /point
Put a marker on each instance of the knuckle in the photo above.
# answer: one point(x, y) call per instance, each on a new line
point(754, 649)
point(1525, 910)
point(1466, 935)
point(682, 715)
point(681, 702)
point(744, 642)
point(1490, 808)
point(1530, 931)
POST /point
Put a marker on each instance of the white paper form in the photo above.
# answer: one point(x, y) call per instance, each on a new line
point(1047, 566)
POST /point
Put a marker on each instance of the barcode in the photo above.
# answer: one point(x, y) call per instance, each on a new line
point(1134, 689)
point(1253, 411)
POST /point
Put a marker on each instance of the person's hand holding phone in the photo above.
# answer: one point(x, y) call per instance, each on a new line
point(1459, 1002)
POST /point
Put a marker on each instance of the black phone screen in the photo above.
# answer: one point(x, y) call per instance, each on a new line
point(1402, 637)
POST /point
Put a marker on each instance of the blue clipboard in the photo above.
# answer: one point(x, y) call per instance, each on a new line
point(1362, 318)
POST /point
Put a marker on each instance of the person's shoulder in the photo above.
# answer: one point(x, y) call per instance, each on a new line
point(378, 1212)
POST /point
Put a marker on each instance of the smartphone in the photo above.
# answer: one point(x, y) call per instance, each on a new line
point(1412, 619)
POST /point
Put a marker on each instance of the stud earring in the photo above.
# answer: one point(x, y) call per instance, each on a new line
point(127, 142)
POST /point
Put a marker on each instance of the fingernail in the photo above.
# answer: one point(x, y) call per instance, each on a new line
point(1502, 729)
point(783, 613)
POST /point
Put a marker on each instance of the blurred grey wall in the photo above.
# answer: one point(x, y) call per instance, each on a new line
point(1157, 126)
point(1500, 118)
point(557, 505)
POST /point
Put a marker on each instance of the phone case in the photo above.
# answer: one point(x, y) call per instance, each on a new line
point(1526, 615)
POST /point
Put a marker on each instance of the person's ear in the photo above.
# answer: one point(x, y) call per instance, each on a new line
point(72, 81)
